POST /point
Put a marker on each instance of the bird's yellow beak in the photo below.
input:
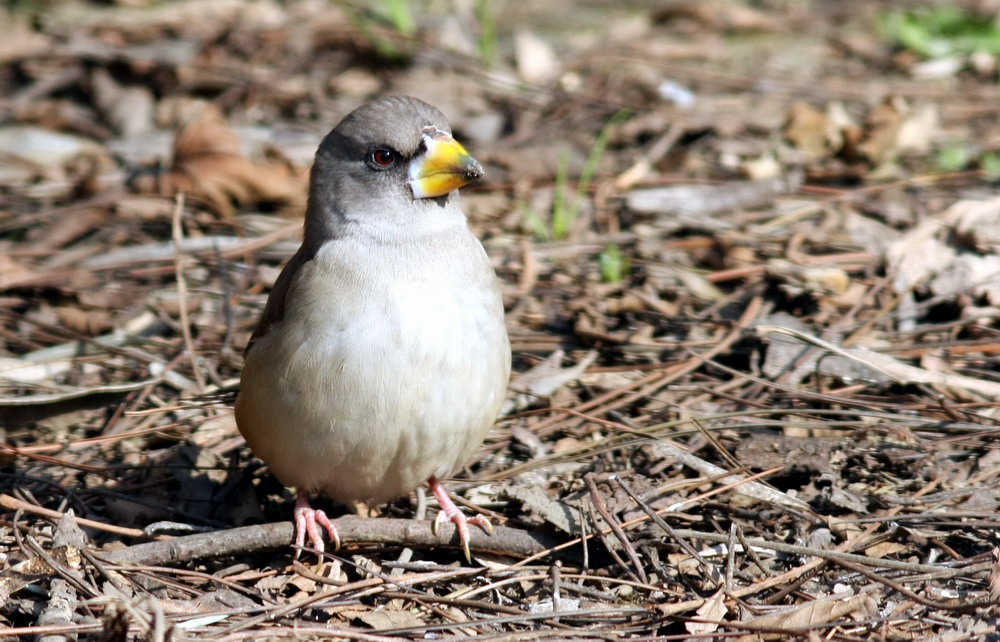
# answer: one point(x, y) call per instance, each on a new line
point(444, 166)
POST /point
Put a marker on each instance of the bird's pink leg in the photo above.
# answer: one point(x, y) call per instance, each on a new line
point(451, 512)
point(308, 520)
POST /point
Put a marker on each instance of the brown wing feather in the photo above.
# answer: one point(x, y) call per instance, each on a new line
point(274, 311)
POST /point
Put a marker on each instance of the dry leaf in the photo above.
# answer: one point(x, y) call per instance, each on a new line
point(808, 129)
point(88, 322)
point(886, 549)
point(894, 127)
point(208, 164)
point(303, 584)
point(271, 583)
point(548, 605)
point(536, 501)
point(712, 611)
point(385, 619)
point(919, 254)
point(882, 132)
point(764, 167)
point(543, 380)
point(813, 614)
point(977, 223)
point(815, 279)
point(29, 153)
point(214, 431)
point(128, 109)
point(929, 257)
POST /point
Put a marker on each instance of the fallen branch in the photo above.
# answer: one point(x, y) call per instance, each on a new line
point(352, 529)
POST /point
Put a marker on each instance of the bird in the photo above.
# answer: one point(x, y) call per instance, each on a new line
point(382, 358)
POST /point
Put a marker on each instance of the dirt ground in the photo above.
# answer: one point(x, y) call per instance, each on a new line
point(750, 259)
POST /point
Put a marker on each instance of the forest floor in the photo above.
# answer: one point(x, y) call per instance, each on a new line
point(750, 259)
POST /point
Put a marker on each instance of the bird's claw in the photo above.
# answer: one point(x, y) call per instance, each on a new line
point(482, 522)
point(307, 522)
point(436, 524)
point(451, 513)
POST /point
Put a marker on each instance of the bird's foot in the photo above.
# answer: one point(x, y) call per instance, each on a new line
point(307, 521)
point(451, 512)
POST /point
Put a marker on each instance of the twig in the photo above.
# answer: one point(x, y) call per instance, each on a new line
point(895, 370)
point(667, 528)
point(58, 397)
point(595, 497)
point(178, 237)
point(12, 503)
point(902, 590)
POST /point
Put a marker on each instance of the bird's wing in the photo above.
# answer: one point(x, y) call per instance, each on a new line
point(274, 311)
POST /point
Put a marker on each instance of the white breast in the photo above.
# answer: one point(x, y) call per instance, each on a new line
point(389, 368)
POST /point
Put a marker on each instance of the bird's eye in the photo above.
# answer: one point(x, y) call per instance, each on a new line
point(381, 158)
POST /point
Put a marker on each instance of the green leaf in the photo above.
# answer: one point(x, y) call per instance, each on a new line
point(536, 223)
point(990, 164)
point(563, 215)
point(400, 17)
point(614, 266)
point(941, 31)
point(954, 157)
point(487, 32)
point(597, 151)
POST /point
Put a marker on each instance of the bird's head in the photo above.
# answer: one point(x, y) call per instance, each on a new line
point(393, 157)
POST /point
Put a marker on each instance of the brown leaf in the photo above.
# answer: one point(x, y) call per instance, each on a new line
point(816, 613)
point(208, 164)
point(89, 322)
point(807, 129)
point(712, 612)
point(882, 126)
point(886, 549)
point(894, 127)
point(129, 109)
point(927, 256)
point(384, 619)
point(11, 271)
point(535, 501)
point(976, 223)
